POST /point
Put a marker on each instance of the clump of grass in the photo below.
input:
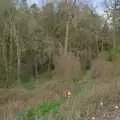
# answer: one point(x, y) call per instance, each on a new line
point(40, 111)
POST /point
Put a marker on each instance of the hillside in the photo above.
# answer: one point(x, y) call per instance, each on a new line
point(59, 61)
point(86, 99)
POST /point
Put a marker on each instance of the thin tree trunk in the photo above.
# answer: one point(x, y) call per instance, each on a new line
point(10, 60)
point(18, 59)
point(17, 40)
point(114, 38)
point(97, 46)
point(5, 56)
point(10, 51)
point(114, 27)
point(18, 63)
point(49, 61)
point(5, 64)
point(89, 56)
point(36, 66)
point(102, 45)
point(66, 38)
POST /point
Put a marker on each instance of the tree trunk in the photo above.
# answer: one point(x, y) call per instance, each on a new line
point(66, 38)
point(10, 52)
point(97, 45)
point(102, 45)
point(36, 66)
point(18, 59)
point(114, 27)
point(5, 52)
point(5, 64)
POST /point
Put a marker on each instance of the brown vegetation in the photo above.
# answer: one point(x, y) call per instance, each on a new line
point(66, 42)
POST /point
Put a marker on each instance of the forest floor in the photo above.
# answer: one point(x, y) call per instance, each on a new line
point(95, 97)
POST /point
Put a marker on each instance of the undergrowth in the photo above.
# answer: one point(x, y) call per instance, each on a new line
point(36, 83)
point(110, 55)
point(41, 110)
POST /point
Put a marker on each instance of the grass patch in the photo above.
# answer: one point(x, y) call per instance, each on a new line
point(40, 111)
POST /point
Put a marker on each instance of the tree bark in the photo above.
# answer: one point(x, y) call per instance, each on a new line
point(36, 66)
point(66, 38)
point(114, 26)
point(18, 58)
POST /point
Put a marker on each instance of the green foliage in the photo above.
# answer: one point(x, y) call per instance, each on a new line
point(39, 111)
point(110, 55)
point(34, 6)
